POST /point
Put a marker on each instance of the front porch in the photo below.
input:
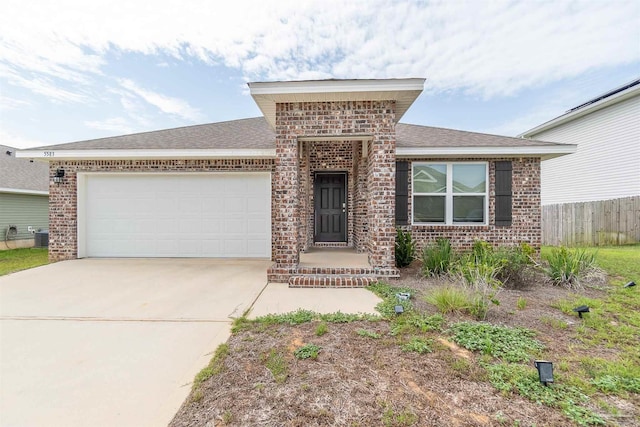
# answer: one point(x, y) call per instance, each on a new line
point(335, 267)
point(333, 182)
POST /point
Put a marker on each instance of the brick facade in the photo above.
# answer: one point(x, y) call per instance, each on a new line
point(63, 202)
point(370, 170)
point(526, 211)
point(371, 181)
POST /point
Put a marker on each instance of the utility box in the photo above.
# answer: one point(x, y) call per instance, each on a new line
point(42, 239)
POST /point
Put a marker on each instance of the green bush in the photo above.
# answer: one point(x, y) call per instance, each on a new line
point(479, 271)
point(516, 265)
point(569, 267)
point(405, 248)
point(437, 257)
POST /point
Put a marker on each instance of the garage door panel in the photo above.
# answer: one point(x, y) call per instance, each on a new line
point(178, 215)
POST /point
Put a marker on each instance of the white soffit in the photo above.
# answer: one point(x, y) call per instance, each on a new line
point(403, 91)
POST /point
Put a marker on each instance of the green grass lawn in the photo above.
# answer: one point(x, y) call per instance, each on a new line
point(21, 259)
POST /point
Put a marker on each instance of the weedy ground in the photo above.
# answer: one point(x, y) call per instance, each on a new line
point(435, 364)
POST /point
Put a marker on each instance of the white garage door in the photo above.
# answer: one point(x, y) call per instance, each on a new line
point(175, 215)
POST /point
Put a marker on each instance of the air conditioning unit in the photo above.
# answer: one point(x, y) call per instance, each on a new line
point(42, 239)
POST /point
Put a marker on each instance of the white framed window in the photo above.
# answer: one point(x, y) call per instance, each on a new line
point(450, 193)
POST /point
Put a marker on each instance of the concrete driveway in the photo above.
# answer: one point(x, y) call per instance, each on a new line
point(114, 342)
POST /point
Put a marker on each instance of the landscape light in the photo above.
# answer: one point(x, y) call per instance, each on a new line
point(399, 309)
point(403, 296)
point(545, 371)
point(581, 309)
point(630, 284)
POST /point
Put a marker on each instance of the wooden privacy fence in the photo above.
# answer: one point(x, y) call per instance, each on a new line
point(604, 222)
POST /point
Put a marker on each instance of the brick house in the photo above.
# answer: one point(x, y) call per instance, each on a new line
point(328, 165)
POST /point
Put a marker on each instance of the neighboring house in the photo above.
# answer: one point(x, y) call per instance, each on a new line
point(24, 199)
point(605, 166)
point(327, 166)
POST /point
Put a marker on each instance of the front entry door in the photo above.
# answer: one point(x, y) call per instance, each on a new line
point(330, 207)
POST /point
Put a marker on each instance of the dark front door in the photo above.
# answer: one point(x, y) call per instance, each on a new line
point(330, 207)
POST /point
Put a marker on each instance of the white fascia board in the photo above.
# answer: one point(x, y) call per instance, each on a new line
point(614, 99)
point(27, 192)
point(485, 152)
point(148, 154)
point(336, 86)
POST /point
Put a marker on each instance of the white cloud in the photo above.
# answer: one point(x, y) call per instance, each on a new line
point(7, 103)
point(486, 48)
point(166, 104)
point(14, 140)
point(114, 124)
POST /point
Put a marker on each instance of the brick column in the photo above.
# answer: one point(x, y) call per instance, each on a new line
point(381, 193)
point(285, 208)
point(63, 214)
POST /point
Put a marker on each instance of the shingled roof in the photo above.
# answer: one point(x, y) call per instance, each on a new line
point(255, 133)
point(19, 175)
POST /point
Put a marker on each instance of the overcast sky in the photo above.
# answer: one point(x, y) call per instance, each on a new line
point(75, 70)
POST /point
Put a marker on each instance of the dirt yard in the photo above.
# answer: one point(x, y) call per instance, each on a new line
point(366, 379)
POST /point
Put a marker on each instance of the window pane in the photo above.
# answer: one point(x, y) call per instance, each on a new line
point(430, 178)
point(428, 208)
point(468, 209)
point(469, 178)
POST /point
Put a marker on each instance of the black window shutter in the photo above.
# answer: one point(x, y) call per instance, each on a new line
point(503, 193)
point(402, 193)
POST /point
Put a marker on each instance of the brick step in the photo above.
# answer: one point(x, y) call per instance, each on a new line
point(335, 270)
point(331, 280)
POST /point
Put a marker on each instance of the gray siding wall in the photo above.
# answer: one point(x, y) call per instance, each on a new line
point(23, 210)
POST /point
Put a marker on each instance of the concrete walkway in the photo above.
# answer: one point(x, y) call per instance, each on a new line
point(117, 342)
point(279, 298)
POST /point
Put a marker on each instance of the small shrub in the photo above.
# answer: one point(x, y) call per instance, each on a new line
point(437, 257)
point(449, 299)
point(321, 329)
point(307, 351)
point(480, 275)
point(569, 267)
point(480, 270)
point(418, 345)
point(405, 248)
point(517, 266)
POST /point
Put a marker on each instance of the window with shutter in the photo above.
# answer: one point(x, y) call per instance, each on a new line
point(402, 193)
point(503, 193)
